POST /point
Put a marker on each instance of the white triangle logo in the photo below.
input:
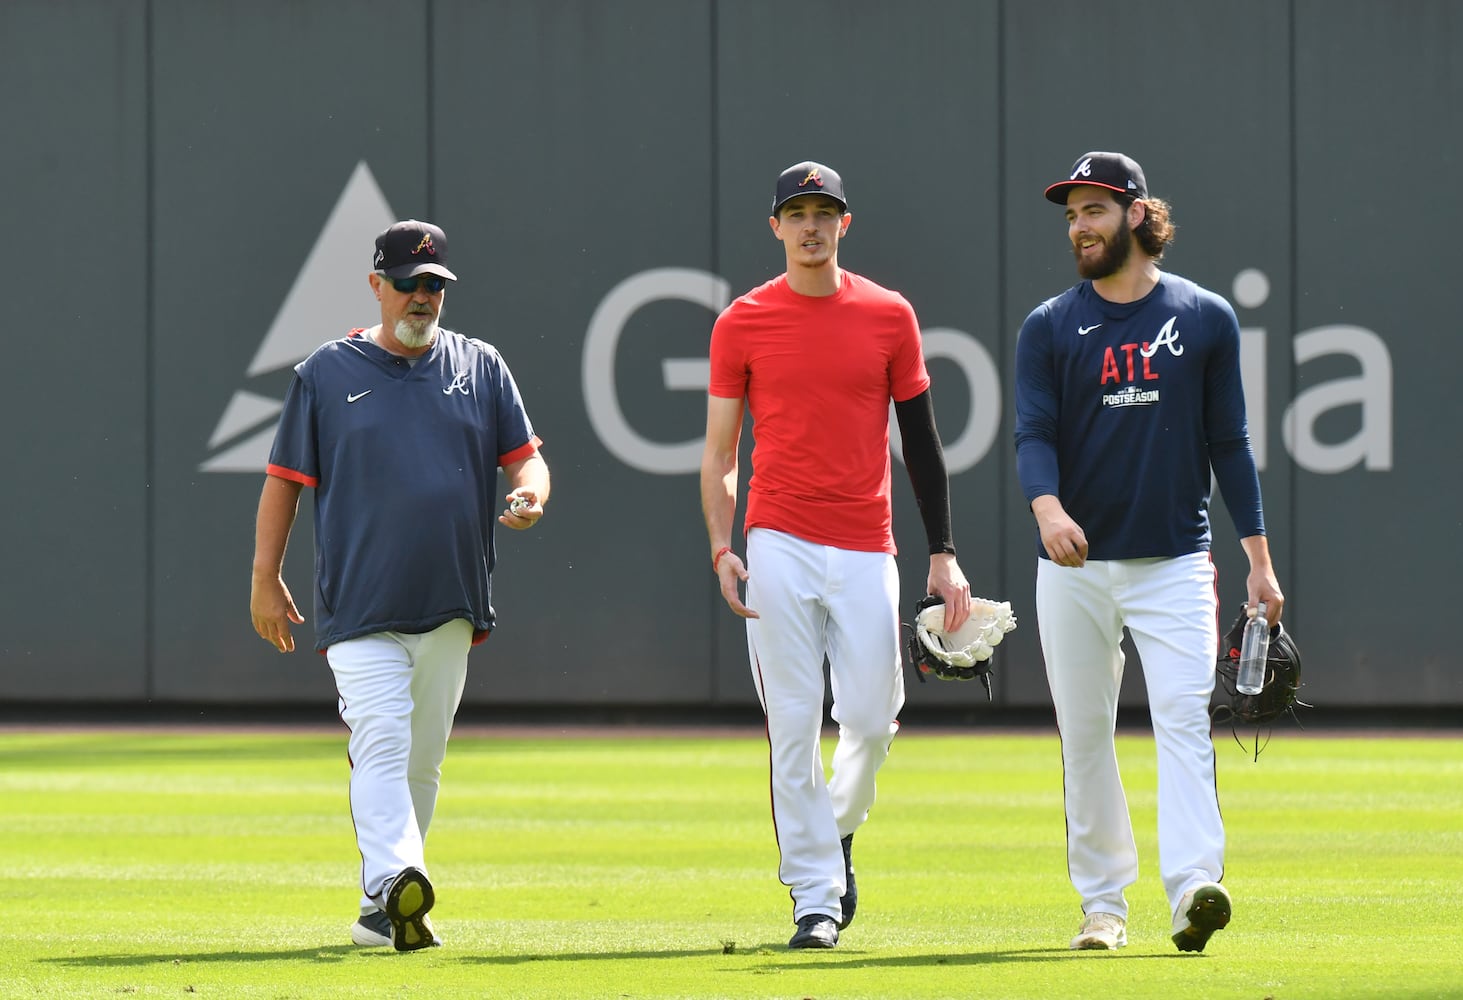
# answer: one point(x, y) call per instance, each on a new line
point(330, 296)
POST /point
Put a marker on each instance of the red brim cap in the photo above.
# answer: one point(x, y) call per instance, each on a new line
point(410, 248)
point(412, 270)
point(1113, 171)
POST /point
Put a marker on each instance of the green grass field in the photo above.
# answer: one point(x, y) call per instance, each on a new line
point(635, 866)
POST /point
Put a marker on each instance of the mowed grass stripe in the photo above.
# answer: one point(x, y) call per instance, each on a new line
point(157, 864)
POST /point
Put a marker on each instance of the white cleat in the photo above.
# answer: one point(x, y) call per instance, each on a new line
point(1101, 932)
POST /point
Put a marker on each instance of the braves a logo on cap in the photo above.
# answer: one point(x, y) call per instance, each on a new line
point(1084, 168)
point(813, 176)
point(380, 256)
point(425, 244)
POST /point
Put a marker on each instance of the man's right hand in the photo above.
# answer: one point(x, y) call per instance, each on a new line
point(730, 581)
point(1061, 536)
point(272, 609)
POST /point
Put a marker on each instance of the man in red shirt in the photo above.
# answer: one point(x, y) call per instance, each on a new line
point(816, 355)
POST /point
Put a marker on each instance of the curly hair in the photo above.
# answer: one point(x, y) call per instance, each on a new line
point(1157, 230)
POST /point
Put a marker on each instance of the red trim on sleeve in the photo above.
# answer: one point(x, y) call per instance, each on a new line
point(520, 453)
point(292, 475)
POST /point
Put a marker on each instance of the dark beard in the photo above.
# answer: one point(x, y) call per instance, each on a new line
point(1110, 261)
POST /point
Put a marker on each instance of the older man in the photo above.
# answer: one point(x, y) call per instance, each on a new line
point(400, 429)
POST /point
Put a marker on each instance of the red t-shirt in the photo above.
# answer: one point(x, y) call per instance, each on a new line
point(818, 373)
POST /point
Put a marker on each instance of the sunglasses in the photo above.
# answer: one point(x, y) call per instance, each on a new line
point(433, 283)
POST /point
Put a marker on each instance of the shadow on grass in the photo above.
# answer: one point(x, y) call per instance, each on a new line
point(850, 959)
point(843, 958)
point(340, 953)
point(328, 953)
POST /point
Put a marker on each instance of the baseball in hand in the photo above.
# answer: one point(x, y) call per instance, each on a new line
point(519, 504)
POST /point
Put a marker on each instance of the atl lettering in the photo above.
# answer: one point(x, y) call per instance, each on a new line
point(1112, 371)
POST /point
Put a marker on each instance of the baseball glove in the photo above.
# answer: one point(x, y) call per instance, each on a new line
point(1280, 694)
point(964, 654)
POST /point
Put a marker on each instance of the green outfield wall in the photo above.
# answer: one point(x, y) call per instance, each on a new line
point(191, 190)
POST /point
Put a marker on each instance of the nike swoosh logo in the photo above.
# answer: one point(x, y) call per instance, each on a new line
point(355, 396)
point(1083, 331)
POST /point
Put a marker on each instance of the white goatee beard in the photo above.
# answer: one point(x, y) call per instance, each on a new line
point(416, 333)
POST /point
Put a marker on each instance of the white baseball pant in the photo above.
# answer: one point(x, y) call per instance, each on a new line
point(1170, 609)
point(817, 601)
point(398, 695)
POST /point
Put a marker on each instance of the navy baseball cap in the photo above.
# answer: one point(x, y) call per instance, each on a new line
point(1113, 171)
point(808, 178)
point(411, 248)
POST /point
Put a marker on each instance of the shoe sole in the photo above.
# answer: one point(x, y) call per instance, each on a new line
point(364, 937)
point(1209, 912)
point(406, 907)
point(1096, 944)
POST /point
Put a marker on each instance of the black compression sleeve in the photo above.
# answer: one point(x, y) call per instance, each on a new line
point(924, 457)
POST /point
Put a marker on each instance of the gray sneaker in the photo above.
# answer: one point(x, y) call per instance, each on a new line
point(373, 930)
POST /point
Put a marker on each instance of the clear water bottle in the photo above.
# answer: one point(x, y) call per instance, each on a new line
point(1252, 654)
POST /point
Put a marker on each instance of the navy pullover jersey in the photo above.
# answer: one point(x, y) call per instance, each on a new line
point(1122, 409)
point(404, 461)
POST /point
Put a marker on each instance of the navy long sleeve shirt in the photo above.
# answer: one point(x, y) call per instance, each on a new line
point(1122, 410)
